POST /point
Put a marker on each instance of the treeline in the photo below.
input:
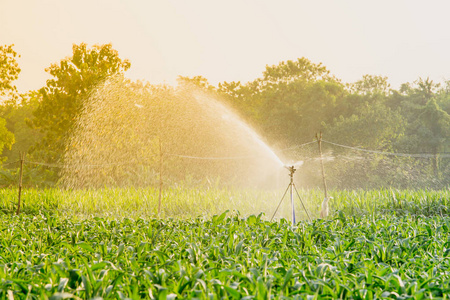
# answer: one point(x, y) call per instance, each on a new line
point(288, 105)
point(295, 100)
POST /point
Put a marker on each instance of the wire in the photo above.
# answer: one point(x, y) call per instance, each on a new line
point(79, 165)
point(212, 158)
point(44, 164)
point(54, 165)
point(418, 155)
point(233, 157)
point(10, 163)
point(298, 146)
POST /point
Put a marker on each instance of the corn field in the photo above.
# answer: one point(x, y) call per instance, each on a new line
point(109, 244)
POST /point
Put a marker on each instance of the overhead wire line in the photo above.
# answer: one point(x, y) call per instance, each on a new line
point(232, 157)
point(212, 157)
point(416, 155)
point(56, 165)
point(298, 146)
point(10, 163)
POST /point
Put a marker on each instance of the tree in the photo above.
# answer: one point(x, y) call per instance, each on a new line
point(6, 137)
point(373, 126)
point(9, 71)
point(370, 85)
point(413, 97)
point(63, 96)
point(18, 115)
point(288, 71)
point(294, 98)
point(432, 129)
point(199, 82)
point(243, 99)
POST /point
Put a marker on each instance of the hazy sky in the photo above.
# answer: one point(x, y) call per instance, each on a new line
point(234, 40)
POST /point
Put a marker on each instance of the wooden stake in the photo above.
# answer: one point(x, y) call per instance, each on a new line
point(319, 141)
point(22, 159)
point(160, 176)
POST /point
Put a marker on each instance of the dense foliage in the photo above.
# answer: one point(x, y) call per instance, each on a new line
point(9, 71)
point(294, 100)
point(79, 244)
point(355, 258)
point(287, 106)
point(62, 98)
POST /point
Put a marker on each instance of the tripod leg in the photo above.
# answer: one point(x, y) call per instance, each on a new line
point(292, 204)
point(280, 202)
point(301, 201)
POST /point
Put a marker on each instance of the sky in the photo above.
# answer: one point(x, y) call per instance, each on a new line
point(234, 40)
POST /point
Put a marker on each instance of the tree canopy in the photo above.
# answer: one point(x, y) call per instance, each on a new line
point(9, 71)
point(287, 106)
point(62, 97)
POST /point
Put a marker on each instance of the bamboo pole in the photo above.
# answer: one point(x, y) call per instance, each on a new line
point(22, 159)
point(160, 176)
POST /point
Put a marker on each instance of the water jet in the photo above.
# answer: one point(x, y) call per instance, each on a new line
point(125, 128)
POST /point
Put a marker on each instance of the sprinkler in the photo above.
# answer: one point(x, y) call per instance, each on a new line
point(292, 170)
point(291, 187)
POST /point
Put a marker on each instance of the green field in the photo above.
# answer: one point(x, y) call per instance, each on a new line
point(110, 244)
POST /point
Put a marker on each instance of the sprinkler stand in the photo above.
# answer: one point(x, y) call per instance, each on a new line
point(291, 187)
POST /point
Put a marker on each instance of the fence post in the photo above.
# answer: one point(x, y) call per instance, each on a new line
point(319, 141)
point(160, 176)
point(22, 159)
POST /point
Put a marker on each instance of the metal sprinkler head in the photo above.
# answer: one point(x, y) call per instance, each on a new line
point(291, 169)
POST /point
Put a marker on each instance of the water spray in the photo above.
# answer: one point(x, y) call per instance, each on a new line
point(291, 187)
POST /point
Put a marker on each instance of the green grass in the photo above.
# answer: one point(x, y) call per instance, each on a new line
point(135, 203)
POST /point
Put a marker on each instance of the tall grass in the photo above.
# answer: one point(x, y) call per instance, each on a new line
point(182, 202)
